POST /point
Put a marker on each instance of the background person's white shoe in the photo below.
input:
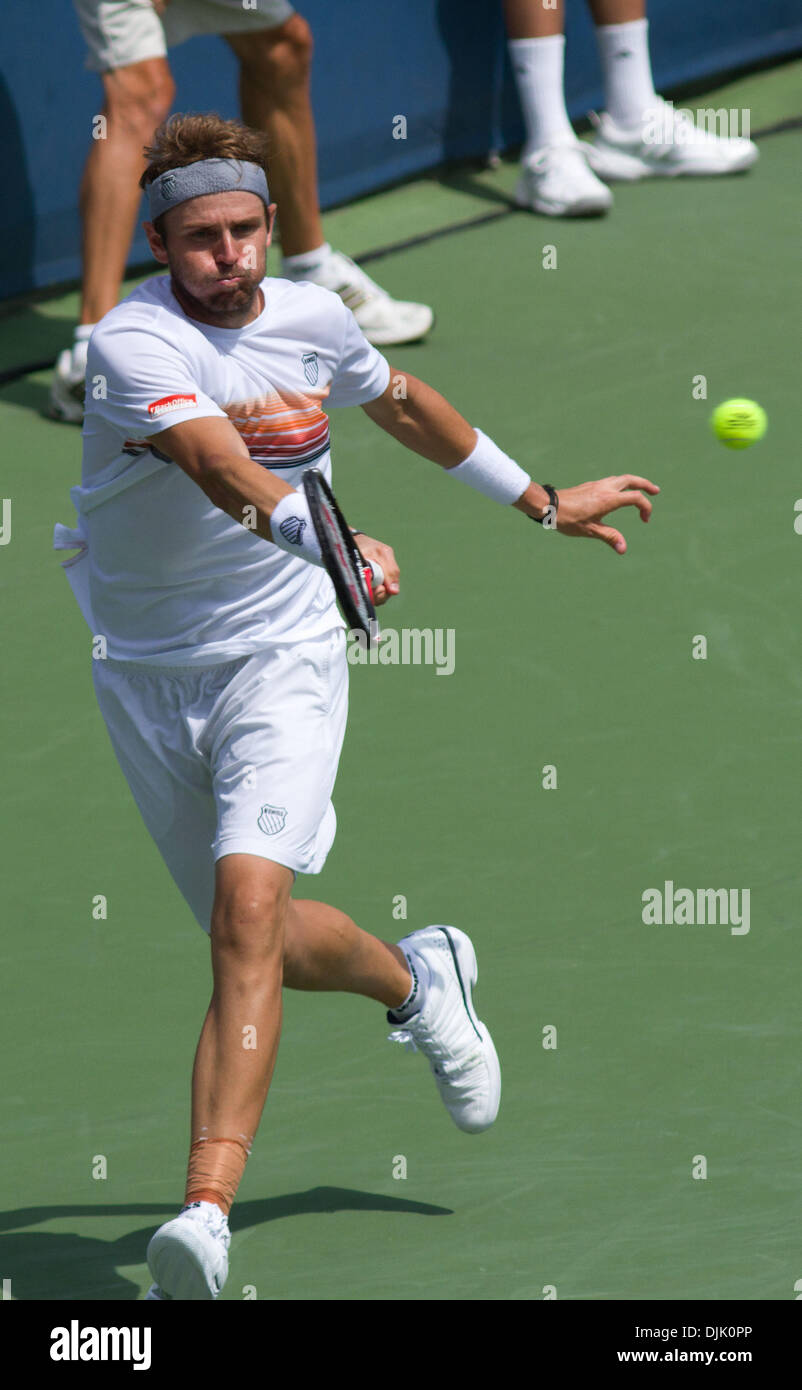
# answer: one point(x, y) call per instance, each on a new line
point(556, 180)
point(446, 1030)
point(188, 1256)
point(383, 320)
point(68, 385)
point(666, 144)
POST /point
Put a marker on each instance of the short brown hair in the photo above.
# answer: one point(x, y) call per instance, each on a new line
point(182, 140)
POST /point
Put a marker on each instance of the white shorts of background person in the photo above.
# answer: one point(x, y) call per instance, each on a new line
point(121, 32)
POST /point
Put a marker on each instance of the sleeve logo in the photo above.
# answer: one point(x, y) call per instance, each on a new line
point(271, 819)
point(292, 529)
point(168, 403)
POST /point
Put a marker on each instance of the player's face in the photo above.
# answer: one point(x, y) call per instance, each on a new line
point(215, 248)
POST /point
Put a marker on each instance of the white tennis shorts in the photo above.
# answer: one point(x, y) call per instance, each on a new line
point(120, 32)
point(233, 759)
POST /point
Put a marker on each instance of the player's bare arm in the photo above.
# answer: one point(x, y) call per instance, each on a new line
point(428, 424)
point(213, 455)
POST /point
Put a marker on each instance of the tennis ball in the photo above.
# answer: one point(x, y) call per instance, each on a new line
point(739, 423)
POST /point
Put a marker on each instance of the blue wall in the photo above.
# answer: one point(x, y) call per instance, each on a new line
point(441, 63)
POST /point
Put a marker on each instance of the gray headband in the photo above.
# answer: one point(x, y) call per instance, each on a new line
point(176, 186)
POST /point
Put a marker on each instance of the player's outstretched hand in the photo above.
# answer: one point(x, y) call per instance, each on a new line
point(383, 555)
point(581, 510)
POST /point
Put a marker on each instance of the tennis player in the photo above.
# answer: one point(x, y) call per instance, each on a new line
point(224, 680)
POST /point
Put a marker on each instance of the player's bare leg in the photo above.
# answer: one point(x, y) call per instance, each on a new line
point(260, 940)
point(325, 950)
point(234, 1061)
point(239, 1041)
point(425, 981)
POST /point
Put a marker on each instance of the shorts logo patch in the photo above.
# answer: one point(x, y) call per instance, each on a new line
point(292, 529)
point(309, 360)
point(271, 819)
point(176, 402)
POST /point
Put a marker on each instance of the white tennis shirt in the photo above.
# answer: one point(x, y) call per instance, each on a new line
point(174, 581)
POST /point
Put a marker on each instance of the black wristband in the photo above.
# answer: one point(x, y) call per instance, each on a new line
point(553, 502)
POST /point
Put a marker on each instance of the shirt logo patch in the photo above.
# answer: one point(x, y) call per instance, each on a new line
point(271, 819)
point(171, 403)
point(309, 360)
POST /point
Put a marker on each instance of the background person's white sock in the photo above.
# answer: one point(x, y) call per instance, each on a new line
point(628, 85)
point(307, 260)
point(538, 68)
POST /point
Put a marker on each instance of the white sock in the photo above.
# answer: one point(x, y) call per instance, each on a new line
point(83, 331)
point(628, 84)
point(419, 971)
point(538, 68)
point(307, 259)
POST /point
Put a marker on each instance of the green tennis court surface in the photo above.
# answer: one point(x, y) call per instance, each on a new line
point(674, 1042)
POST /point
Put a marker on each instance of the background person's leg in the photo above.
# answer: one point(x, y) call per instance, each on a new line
point(638, 135)
point(536, 42)
point(138, 99)
point(555, 177)
point(617, 11)
point(622, 32)
point(274, 97)
point(528, 19)
point(539, 66)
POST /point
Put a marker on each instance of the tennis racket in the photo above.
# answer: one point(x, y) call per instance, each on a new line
point(351, 574)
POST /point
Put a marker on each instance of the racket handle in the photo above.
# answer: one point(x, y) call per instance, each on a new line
point(373, 575)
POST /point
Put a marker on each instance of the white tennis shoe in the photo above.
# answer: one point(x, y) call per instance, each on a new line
point(665, 145)
point(557, 181)
point(384, 321)
point(446, 1030)
point(68, 385)
point(188, 1256)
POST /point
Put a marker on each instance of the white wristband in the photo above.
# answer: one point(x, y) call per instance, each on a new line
point(491, 471)
point(292, 528)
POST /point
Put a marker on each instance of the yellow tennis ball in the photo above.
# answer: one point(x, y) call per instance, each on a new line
point(739, 423)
